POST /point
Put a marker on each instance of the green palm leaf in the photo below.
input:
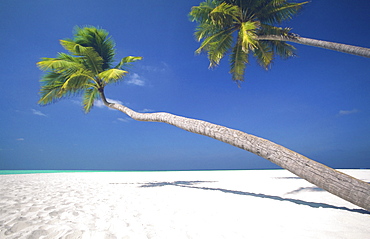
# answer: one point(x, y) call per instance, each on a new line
point(50, 92)
point(238, 61)
point(126, 61)
point(89, 98)
point(272, 30)
point(283, 49)
point(98, 39)
point(79, 80)
point(218, 49)
point(213, 39)
point(224, 15)
point(73, 47)
point(247, 35)
point(205, 30)
point(112, 75)
point(63, 62)
point(91, 58)
point(284, 11)
point(264, 54)
point(201, 13)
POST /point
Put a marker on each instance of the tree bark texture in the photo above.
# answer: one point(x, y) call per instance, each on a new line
point(354, 50)
point(333, 181)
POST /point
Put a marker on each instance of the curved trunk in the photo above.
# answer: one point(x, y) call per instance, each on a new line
point(335, 182)
point(354, 50)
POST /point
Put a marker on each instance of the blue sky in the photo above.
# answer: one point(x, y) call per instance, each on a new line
point(316, 104)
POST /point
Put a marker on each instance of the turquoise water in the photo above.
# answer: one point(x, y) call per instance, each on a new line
point(3, 172)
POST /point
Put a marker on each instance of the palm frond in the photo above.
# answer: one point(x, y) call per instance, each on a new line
point(79, 81)
point(238, 61)
point(224, 15)
point(218, 49)
point(91, 58)
point(264, 54)
point(201, 13)
point(98, 39)
point(112, 75)
point(48, 96)
point(214, 38)
point(205, 30)
point(126, 61)
point(278, 11)
point(281, 48)
point(63, 62)
point(247, 34)
point(51, 84)
point(73, 47)
point(52, 88)
point(272, 30)
point(89, 97)
point(51, 63)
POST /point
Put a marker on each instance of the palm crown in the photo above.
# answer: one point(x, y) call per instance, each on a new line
point(86, 70)
point(219, 22)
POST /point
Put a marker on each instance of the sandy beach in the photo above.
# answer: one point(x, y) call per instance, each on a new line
point(185, 204)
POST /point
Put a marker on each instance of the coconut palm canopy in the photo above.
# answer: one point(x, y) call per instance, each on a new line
point(86, 70)
point(251, 27)
point(236, 25)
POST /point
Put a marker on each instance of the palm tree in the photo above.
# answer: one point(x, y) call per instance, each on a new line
point(88, 69)
point(251, 23)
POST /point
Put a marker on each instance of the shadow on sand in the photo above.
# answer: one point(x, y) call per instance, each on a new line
point(191, 184)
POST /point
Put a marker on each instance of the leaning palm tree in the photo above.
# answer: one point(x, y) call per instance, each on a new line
point(89, 67)
point(252, 24)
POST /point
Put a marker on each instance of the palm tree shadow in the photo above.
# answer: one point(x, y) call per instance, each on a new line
point(306, 189)
point(191, 184)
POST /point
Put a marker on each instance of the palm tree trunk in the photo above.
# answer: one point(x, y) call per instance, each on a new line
point(354, 50)
point(333, 181)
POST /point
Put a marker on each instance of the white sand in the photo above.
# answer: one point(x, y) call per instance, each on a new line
point(176, 205)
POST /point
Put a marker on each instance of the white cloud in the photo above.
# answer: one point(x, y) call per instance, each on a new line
point(20, 139)
point(348, 112)
point(146, 110)
point(114, 101)
point(125, 120)
point(161, 67)
point(135, 79)
point(100, 104)
point(37, 112)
